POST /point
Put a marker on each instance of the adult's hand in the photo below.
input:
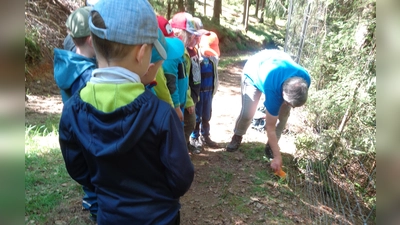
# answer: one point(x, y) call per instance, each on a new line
point(179, 113)
point(276, 163)
point(190, 109)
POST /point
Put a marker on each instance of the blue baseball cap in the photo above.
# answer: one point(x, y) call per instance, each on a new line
point(173, 46)
point(128, 22)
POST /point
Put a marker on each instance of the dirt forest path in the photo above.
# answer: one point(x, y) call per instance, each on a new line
point(223, 178)
point(223, 190)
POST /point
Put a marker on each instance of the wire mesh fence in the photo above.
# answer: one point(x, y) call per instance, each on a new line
point(339, 182)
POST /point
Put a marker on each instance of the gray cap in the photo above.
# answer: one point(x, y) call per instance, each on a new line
point(130, 22)
point(78, 22)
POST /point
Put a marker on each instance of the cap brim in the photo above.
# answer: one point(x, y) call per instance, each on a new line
point(203, 32)
point(160, 49)
point(175, 48)
point(210, 52)
point(193, 32)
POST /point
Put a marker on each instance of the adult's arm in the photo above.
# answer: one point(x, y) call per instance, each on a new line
point(276, 163)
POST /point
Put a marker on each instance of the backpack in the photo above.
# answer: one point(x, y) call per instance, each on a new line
point(258, 121)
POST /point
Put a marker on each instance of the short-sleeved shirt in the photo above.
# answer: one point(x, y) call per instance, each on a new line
point(268, 70)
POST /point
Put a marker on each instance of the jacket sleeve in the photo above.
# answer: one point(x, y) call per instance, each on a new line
point(175, 156)
point(72, 152)
point(161, 88)
point(189, 100)
point(215, 61)
point(170, 68)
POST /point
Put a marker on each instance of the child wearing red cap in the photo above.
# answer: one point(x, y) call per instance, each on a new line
point(174, 72)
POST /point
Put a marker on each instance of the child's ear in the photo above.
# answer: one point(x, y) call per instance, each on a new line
point(140, 54)
point(89, 41)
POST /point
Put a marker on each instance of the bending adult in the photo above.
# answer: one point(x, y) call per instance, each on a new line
point(285, 85)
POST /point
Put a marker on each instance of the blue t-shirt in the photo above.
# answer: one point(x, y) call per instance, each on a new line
point(268, 70)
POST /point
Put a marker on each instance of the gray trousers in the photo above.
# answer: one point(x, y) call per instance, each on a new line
point(250, 98)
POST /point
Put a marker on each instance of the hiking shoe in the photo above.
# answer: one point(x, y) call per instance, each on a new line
point(234, 144)
point(207, 140)
point(268, 152)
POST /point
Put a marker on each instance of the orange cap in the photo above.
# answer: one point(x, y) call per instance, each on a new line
point(209, 45)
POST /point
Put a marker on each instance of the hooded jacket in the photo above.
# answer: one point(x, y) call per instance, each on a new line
point(71, 71)
point(128, 146)
point(177, 73)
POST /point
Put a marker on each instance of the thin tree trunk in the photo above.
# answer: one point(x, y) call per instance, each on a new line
point(190, 6)
point(289, 19)
point(205, 7)
point(247, 15)
point(244, 11)
point(181, 6)
point(217, 11)
point(257, 6)
point(303, 31)
point(169, 9)
point(262, 11)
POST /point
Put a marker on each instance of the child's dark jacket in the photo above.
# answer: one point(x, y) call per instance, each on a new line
point(134, 157)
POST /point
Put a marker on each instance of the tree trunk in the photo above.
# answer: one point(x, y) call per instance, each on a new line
point(262, 11)
point(246, 15)
point(205, 7)
point(169, 9)
point(248, 12)
point(190, 6)
point(217, 11)
point(257, 6)
point(244, 11)
point(181, 6)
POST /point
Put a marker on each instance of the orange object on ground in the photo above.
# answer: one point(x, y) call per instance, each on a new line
point(280, 173)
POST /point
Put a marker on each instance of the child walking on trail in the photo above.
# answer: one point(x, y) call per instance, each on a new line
point(209, 56)
point(117, 138)
point(72, 70)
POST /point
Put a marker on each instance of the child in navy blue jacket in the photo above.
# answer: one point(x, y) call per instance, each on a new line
point(117, 138)
point(73, 69)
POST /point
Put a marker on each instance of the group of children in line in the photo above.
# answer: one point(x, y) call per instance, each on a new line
point(137, 92)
